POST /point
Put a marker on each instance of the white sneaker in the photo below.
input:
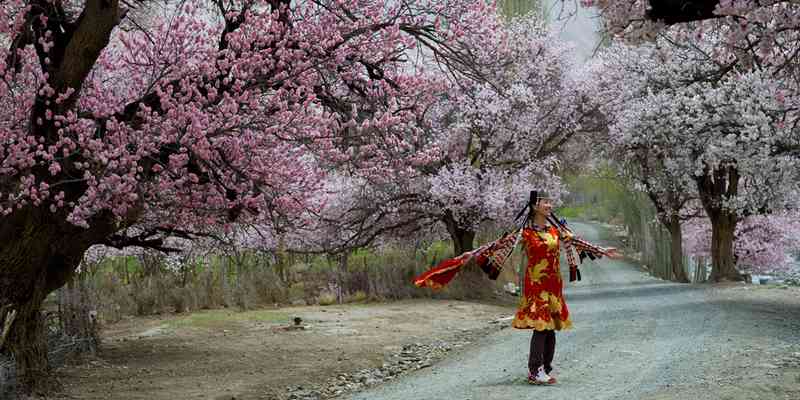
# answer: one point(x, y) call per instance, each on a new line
point(541, 378)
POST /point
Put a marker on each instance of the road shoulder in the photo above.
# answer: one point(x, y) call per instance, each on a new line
point(261, 354)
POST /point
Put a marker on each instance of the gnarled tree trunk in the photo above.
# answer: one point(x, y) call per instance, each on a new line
point(472, 281)
point(463, 241)
point(723, 261)
point(462, 238)
point(27, 343)
point(38, 254)
point(716, 186)
point(39, 249)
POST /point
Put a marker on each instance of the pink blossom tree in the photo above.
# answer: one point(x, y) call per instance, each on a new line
point(188, 115)
point(476, 153)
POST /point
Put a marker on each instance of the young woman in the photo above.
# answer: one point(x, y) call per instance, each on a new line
point(542, 307)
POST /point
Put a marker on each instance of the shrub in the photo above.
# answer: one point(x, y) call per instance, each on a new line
point(326, 298)
point(183, 299)
point(356, 297)
point(117, 299)
point(267, 286)
point(146, 287)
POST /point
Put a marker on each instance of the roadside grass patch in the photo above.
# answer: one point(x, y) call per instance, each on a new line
point(572, 212)
point(219, 319)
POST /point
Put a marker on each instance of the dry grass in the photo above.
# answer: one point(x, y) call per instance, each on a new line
point(215, 283)
point(212, 319)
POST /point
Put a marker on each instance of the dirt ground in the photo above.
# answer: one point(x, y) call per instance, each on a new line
point(653, 339)
point(224, 354)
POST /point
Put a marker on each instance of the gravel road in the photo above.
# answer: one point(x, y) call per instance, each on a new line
point(634, 337)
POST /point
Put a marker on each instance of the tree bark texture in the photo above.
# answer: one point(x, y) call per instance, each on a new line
point(676, 250)
point(472, 281)
point(723, 261)
point(716, 186)
point(38, 254)
point(39, 249)
point(463, 238)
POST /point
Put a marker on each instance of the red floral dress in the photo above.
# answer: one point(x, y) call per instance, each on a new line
point(542, 305)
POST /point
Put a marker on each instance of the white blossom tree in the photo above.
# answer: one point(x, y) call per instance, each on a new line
point(730, 131)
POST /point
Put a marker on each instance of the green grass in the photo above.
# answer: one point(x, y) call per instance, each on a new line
point(572, 212)
point(117, 264)
point(214, 319)
point(598, 196)
point(430, 255)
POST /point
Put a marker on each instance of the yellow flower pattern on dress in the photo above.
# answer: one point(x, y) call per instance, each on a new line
point(523, 302)
point(542, 304)
point(539, 271)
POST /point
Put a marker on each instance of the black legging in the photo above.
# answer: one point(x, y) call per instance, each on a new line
point(543, 348)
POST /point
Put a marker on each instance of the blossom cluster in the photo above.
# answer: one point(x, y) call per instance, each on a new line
point(482, 145)
point(703, 137)
point(195, 112)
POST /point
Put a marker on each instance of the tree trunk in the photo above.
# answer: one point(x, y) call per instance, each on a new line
point(661, 264)
point(716, 187)
point(28, 345)
point(462, 241)
point(472, 282)
point(281, 262)
point(39, 253)
point(676, 250)
point(223, 277)
point(462, 238)
point(127, 271)
point(341, 276)
point(723, 262)
point(78, 314)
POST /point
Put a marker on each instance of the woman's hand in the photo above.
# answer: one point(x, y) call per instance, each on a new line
point(613, 253)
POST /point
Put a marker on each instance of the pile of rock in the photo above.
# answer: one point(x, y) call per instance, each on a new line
point(411, 357)
point(793, 277)
point(791, 360)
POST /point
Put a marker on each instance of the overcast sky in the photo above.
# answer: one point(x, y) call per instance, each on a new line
point(580, 28)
